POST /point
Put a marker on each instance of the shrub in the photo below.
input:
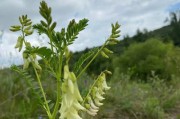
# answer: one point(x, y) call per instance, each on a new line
point(139, 60)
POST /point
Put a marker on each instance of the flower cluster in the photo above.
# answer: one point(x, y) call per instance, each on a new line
point(70, 97)
point(96, 95)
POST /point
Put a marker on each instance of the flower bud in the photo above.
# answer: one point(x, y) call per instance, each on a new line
point(91, 113)
point(78, 106)
point(108, 72)
point(104, 84)
point(97, 102)
point(93, 105)
point(36, 64)
point(104, 54)
point(93, 110)
point(87, 106)
point(26, 63)
point(99, 97)
point(107, 50)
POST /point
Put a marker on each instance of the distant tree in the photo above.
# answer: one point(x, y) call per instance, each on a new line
point(126, 40)
point(175, 24)
point(140, 59)
point(140, 36)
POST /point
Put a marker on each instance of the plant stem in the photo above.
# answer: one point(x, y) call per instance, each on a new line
point(50, 37)
point(84, 69)
point(58, 87)
point(44, 96)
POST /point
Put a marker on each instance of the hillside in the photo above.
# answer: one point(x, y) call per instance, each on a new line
point(141, 36)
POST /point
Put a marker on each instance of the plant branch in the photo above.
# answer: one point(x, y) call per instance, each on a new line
point(44, 96)
point(58, 86)
point(84, 69)
point(91, 89)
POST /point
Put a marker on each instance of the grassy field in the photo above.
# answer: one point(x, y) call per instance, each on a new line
point(127, 99)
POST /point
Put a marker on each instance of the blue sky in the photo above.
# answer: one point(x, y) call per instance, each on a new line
point(131, 14)
point(174, 7)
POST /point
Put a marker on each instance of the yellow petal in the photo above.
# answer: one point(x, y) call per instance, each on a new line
point(93, 105)
point(93, 110)
point(97, 102)
point(26, 64)
point(99, 96)
point(91, 113)
point(73, 77)
point(78, 106)
point(77, 93)
point(105, 85)
point(71, 85)
point(66, 71)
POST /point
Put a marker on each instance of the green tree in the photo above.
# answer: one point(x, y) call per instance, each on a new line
point(141, 59)
point(175, 24)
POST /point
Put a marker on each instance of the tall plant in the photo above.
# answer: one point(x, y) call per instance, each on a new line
point(56, 59)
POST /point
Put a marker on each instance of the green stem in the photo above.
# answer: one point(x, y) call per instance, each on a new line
point(84, 69)
point(44, 96)
point(58, 87)
point(50, 37)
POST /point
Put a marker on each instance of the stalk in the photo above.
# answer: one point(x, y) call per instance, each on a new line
point(84, 69)
point(91, 89)
point(43, 93)
point(58, 87)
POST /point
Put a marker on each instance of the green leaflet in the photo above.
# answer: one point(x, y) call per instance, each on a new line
point(78, 65)
point(30, 81)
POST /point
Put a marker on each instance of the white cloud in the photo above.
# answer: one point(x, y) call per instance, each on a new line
point(131, 14)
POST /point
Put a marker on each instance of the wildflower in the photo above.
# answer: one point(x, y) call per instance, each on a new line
point(71, 96)
point(104, 84)
point(96, 95)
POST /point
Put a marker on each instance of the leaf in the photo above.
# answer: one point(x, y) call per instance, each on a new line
point(15, 28)
point(53, 26)
point(78, 65)
point(107, 51)
point(74, 28)
point(40, 28)
point(30, 81)
point(19, 43)
point(44, 52)
point(104, 54)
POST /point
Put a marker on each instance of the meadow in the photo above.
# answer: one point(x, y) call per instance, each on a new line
point(145, 83)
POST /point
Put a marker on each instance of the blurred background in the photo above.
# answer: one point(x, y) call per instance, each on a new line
point(145, 64)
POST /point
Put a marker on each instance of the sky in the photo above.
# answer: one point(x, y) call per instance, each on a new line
point(131, 14)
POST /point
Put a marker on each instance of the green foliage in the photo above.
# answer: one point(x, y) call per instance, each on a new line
point(152, 108)
point(175, 24)
point(138, 100)
point(139, 60)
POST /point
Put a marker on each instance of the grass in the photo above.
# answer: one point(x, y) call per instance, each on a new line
point(155, 99)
